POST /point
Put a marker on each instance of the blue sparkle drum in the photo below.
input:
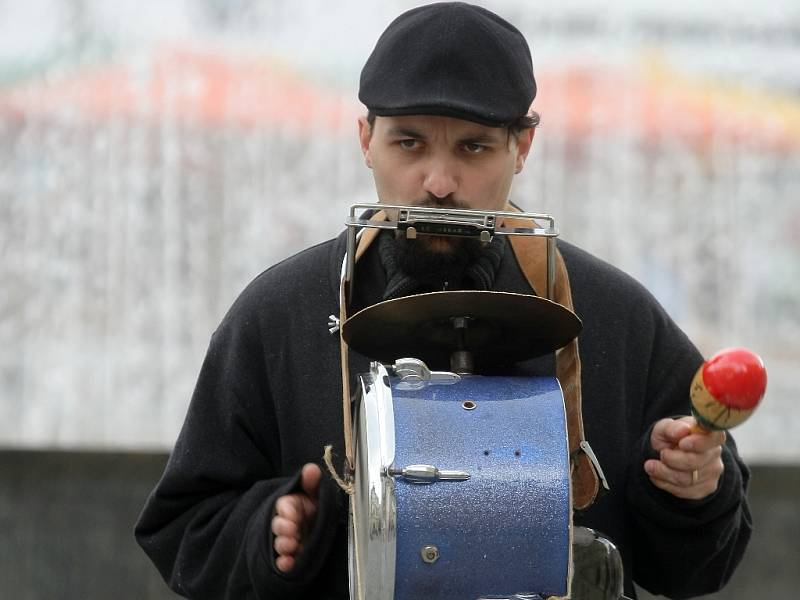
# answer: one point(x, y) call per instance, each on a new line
point(462, 489)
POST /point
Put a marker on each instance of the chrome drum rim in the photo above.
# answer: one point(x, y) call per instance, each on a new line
point(372, 517)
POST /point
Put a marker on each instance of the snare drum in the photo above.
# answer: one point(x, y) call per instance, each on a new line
point(462, 489)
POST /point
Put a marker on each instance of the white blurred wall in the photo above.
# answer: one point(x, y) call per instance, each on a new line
point(156, 156)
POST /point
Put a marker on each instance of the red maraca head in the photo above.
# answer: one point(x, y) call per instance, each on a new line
point(727, 388)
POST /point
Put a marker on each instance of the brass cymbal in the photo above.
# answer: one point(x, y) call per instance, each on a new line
point(502, 327)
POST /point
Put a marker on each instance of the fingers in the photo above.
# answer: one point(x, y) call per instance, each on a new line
point(683, 483)
point(288, 532)
point(284, 563)
point(294, 516)
point(296, 507)
point(682, 433)
point(702, 442)
point(310, 479)
point(668, 432)
point(690, 491)
point(689, 461)
point(285, 527)
point(685, 477)
point(287, 545)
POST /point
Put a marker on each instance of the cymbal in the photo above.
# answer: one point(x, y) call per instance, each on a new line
point(502, 327)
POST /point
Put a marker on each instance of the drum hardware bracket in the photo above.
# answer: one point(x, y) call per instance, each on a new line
point(415, 372)
point(427, 474)
point(584, 445)
point(461, 360)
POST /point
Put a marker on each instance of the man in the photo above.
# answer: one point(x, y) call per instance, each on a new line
point(244, 510)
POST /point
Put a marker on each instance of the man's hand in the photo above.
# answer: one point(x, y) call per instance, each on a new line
point(690, 464)
point(294, 517)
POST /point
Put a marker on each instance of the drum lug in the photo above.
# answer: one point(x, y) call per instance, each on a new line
point(427, 474)
point(413, 371)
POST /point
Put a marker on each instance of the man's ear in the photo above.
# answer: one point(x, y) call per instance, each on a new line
point(364, 136)
point(524, 143)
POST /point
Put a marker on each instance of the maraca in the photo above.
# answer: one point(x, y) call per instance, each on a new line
point(727, 388)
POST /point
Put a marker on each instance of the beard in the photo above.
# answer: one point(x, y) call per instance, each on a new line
point(430, 265)
point(435, 259)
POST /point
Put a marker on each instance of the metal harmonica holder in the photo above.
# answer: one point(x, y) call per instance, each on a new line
point(417, 220)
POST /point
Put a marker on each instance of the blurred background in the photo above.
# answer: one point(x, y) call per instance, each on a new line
point(156, 156)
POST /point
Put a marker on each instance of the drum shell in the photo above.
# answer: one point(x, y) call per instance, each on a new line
point(504, 531)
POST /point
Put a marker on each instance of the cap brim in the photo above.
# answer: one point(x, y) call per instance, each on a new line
point(441, 111)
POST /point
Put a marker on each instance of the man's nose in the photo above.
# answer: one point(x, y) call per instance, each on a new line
point(441, 178)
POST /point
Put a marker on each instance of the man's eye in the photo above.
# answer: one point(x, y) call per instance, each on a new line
point(409, 144)
point(474, 148)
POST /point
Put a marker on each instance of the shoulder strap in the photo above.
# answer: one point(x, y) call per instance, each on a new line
point(368, 235)
point(531, 253)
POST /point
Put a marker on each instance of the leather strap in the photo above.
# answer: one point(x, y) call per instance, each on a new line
point(368, 235)
point(531, 255)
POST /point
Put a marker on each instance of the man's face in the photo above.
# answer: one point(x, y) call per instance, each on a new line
point(441, 161)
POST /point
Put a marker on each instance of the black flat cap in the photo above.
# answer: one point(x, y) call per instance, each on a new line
point(451, 59)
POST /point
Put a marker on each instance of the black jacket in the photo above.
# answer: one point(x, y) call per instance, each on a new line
point(268, 399)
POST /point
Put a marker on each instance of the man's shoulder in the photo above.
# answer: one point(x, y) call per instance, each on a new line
point(602, 291)
point(619, 312)
point(306, 266)
point(299, 280)
point(593, 275)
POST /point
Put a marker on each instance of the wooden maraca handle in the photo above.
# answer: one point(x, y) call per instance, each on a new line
point(726, 389)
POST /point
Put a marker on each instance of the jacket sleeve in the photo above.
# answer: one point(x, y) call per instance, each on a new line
point(692, 546)
point(206, 524)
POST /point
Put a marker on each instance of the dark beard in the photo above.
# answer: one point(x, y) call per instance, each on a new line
point(435, 269)
point(443, 267)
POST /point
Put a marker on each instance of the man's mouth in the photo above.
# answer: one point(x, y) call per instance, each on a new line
point(440, 244)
